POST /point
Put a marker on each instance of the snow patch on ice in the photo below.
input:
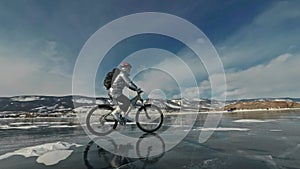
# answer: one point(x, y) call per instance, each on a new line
point(82, 109)
point(84, 101)
point(31, 125)
point(220, 129)
point(25, 98)
point(54, 157)
point(18, 127)
point(252, 121)
point(289, 100)
point(63, 126)
point(20, 123)
point(48, 154)
point(275, 130)
point(173, 106)
point(100, 101)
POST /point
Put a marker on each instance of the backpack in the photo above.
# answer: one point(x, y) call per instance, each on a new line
point(110, 77)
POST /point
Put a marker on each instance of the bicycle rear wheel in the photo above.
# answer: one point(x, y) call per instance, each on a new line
point(100, 121)
point(149, 118)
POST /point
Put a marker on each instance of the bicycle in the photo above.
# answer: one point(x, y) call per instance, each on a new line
point(100, 121)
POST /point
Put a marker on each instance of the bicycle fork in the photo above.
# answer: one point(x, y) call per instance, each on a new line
point(146, 112)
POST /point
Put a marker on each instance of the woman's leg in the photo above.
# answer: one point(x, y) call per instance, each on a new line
point(125, 103)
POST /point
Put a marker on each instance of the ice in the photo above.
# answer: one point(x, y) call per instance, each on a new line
point(265, 158)
point(48, 154)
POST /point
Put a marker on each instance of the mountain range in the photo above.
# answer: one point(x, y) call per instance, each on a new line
point(67, 105)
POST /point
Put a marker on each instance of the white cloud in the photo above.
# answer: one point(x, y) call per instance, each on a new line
point(53, 61)
point(157, 79)
point(37, 67)
point(167, 72)
point(13, 70)
point(21, 76)
point(261, 59)
point(270, 33)
point(278, 78)
point(251, 57)
point(171, 75)
point(157, 94)
point(175, 73)
point(190, 93)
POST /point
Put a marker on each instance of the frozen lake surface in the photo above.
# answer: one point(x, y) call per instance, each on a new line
point(241, 140)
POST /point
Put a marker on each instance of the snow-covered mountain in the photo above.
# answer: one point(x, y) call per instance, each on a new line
point(43, 105)
point(263, 103)
point(64, 105)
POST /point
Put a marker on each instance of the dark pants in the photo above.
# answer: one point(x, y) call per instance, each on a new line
point(124, 102)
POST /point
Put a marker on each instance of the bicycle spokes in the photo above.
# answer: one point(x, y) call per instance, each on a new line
point(99, 120)
point(146, 113)
point(149, 118)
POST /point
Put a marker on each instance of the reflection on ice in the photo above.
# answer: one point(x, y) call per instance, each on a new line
point(146, 153)
point(147, 145)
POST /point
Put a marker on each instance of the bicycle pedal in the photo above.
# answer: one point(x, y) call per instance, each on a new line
point(123, 121)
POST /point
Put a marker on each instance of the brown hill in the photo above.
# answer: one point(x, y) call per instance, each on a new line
point(262, 105)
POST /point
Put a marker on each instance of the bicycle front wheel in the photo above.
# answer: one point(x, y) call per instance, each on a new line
point(100, 121)
point(149, 118)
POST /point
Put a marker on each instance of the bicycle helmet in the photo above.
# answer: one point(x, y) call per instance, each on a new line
point(126, 67)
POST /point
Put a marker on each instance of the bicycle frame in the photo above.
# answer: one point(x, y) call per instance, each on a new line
point(137, 98)
point(134, 102)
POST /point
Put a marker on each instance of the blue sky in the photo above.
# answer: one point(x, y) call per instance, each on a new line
point(257, 41)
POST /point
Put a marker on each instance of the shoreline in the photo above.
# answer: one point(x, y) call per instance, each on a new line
point(230, 112)
point(176, 113)
point(265, 110)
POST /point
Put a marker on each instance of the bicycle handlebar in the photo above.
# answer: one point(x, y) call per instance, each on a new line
point(140, 91)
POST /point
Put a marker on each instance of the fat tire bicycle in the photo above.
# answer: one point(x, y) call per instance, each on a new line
point(100, 121)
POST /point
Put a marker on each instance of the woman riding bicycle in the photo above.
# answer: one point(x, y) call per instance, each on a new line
point(115, 92)
point(102, 119)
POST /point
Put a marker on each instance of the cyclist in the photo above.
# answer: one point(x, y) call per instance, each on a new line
point(115, 92)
